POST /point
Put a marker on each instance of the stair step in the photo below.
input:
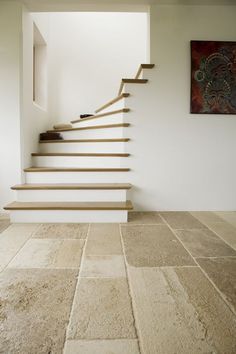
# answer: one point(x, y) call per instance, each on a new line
point(70, 206)
point(80, 154)
point(60, 169)
point(73, 186)
point(123, 110)
point(116, 99)
point(143, 66)
point(107, 126)
point(85, 141)
point(131, 81)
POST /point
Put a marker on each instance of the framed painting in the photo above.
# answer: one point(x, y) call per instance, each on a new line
point(213, 77)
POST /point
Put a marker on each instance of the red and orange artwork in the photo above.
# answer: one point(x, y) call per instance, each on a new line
point(213, 77)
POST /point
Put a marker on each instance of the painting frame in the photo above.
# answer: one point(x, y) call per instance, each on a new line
point(213, 77)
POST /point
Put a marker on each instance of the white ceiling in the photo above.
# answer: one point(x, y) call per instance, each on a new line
point(108, 5)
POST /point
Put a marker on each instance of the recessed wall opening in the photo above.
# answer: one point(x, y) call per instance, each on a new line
point(39, 69)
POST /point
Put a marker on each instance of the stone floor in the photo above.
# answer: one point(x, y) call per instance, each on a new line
point(163, 283)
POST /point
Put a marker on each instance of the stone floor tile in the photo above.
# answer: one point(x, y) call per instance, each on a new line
point(104, 239)
point(23, 228)
point(149, 217)
point(204, 243)
point(206, 217)
point(102, 310)
point(103, 266)
point(62, 231)
point(4, 223)
point(34, 309)
point(225, 231)
point(115, 346)
point(48, 253)
point(153, 246)
point(222, 271)
point(10, 243)
point(179, 311)
point(228, 216)
point(181, 220)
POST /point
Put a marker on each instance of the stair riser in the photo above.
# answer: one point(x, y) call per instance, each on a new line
point(80, 162)
point(116, 147)
point(77, 177)
point(113, 119)
point(71, 195)
point(68, 216)
point(103, 133)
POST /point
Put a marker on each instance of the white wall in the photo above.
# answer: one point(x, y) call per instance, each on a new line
point(21, 119)
point(10, 77)
point(35, 118)
point(89, 54)
point(182, 161)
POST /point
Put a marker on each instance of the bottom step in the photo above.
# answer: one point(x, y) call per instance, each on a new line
point(74, 212)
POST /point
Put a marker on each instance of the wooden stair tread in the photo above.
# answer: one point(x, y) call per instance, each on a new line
point(107, 126)
point(116, 99)
point(70, 206)
point(123, 110)
point(134, 81)
point(120, 140)
point(73, 186)
point(143, 66)
point(130, 81)
point(70, 154)
point(73, 169)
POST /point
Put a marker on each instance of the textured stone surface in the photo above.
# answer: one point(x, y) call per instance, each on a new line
point(149, 217)
point(34, 310)
point(207, 217)
point(18, 229)
point(103, 239)
point(102, 309)
point(181, 220)
point(204, 243)
point(226, 231)
point(153, 246)
point(103, 266)
point(4, 223)
point(115, 346)
point(229, 216)
point(179, 311)
point(62, 231)
point(222, 271)
point(11, 241)
point(48, 253)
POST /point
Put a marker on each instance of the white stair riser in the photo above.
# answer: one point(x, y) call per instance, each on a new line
point(77, 177)
point(71, 195)
point(68, 216)
point(113, 119)
point(105, 147)
point(103, 133)
point(80, 162)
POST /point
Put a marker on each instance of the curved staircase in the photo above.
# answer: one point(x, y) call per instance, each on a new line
point(85, 176)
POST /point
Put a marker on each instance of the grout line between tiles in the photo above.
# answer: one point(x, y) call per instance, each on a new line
point(6, 266)
point(215, 232)
point(76, 287)
point(206, 275)
point(131, 297)
point(215, 257)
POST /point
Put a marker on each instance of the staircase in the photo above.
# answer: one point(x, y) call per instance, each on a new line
point(85, 176)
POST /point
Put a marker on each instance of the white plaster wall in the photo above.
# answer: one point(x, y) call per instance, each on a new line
point(10, 76)
point(35, 118)
point(89, 54)
point(181, 161)
point(21, 120)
